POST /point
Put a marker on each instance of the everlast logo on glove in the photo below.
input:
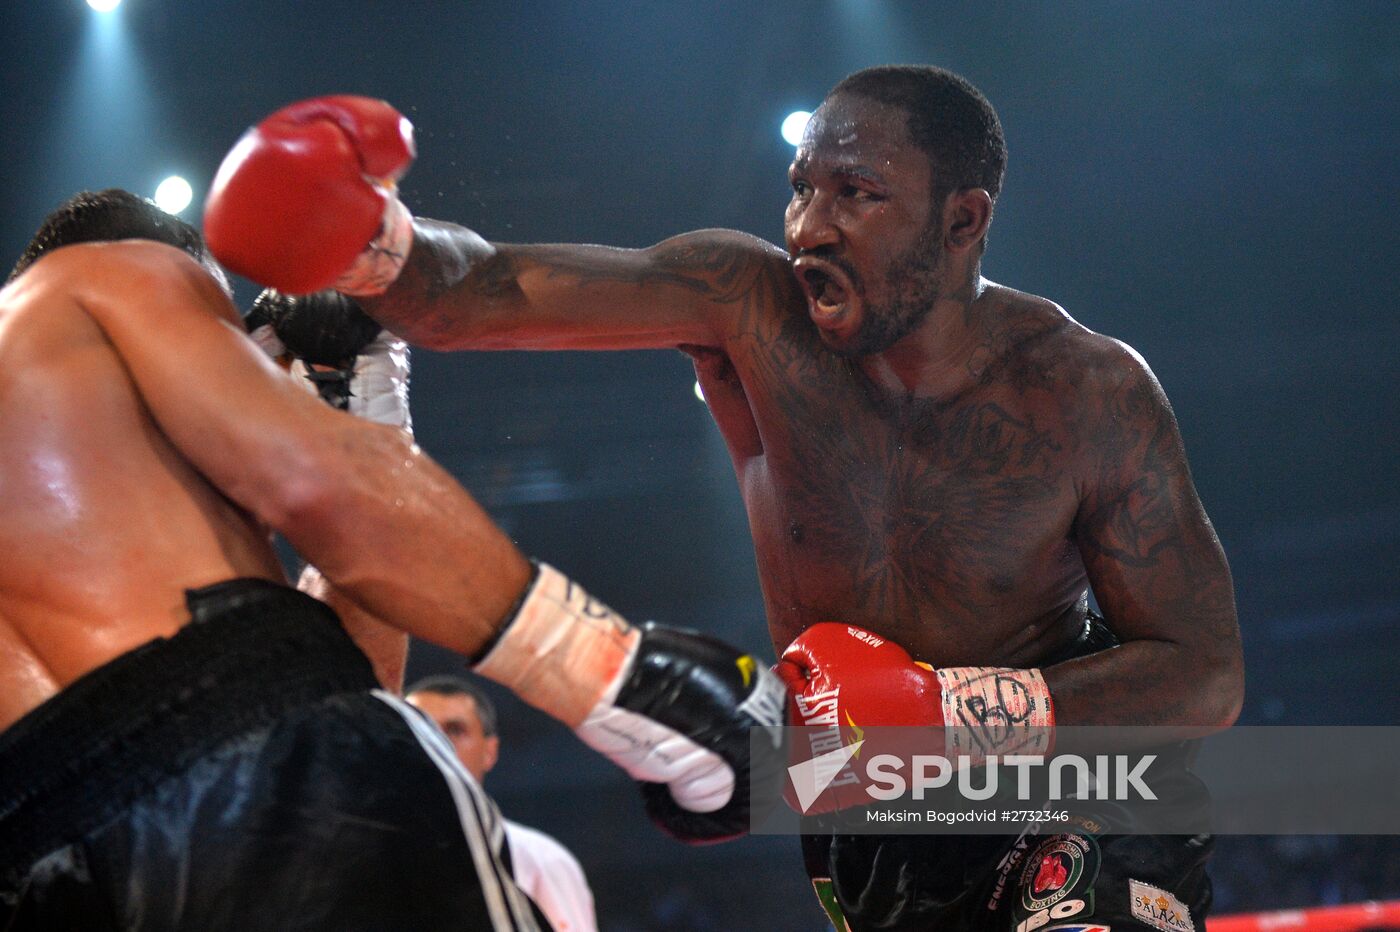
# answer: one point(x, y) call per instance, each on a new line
point(829, 756)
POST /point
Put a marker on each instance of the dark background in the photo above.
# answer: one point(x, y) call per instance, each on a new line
point(1215, 184)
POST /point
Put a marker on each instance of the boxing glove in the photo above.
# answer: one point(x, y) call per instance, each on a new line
point(354, 364)
point(843, 680)
point(306, 200)
point(672, 708)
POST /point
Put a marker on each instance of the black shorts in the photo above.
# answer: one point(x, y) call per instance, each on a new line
point(996, 883)
point(1090, 881)
point(244, 774)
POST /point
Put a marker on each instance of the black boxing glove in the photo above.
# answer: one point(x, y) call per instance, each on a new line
point(364, 369)
point(672, 708)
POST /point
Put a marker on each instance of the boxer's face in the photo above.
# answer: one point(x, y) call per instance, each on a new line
point(863, 231)
point(456, 716)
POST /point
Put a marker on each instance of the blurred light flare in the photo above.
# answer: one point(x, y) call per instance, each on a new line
point(794, 124)
point(174, 194)
point(104, 6)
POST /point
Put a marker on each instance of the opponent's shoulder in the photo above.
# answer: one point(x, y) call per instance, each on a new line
point(46, 319)
point(137, 276)
point(51, 291)
point(70, 265)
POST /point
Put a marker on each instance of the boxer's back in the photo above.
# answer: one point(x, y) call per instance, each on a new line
point(103, 524)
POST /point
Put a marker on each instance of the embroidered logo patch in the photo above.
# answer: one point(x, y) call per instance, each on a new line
point(1056, 868)
point(1056, 883)
point(1158, 908)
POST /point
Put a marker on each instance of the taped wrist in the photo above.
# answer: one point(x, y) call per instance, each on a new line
point(996, 710)
point(564, 651)
point(375, 269)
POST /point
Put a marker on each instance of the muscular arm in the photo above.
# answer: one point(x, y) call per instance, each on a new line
point(387, 525)
point(1157, 570)
point(458, 291)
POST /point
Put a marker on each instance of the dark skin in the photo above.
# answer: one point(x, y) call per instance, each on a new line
point(927, 454)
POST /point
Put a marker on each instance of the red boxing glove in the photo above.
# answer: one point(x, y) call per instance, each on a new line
point(873, 680)
point(301, 196)
point(844, 680)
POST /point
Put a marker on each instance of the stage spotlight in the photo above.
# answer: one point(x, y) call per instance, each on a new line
point(793, 126)
point(174, 194)
point(104, 6)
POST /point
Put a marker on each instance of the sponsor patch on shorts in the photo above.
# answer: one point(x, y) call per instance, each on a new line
point(1056, 883)
point(1059, 866)
point(1158, 908)
point(1073, 928)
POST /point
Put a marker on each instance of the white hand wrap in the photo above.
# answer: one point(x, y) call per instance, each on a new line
point(569, 655)
point(564, 652)
point(994, 710)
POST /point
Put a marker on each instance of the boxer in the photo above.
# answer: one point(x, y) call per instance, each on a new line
point(929, 456)
point(188, 742)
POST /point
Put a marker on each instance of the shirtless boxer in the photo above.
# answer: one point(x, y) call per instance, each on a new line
point(188, 743)
point(923, 453)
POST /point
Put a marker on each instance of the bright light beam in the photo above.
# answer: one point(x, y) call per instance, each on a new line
point(793, 126)
point(174, 194)
point(104, 6)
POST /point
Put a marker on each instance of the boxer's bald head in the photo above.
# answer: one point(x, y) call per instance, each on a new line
point(110, 215)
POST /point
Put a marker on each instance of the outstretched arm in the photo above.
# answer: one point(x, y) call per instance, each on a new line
point(1157, 570)
point(457, 291)
point(301, 194)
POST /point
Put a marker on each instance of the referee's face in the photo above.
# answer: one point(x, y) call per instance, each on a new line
point(456, 716)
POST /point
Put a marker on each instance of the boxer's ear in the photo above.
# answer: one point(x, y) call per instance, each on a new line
point(966, 216)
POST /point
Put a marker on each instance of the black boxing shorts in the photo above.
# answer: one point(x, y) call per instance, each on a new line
point(1084, 882)
point(244, 774)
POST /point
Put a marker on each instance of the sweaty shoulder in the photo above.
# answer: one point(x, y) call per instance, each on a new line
point(123, 272)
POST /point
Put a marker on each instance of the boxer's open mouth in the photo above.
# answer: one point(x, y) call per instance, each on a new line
point(828, 292)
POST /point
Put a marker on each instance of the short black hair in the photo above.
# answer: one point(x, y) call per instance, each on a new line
point(948, 118)
point(106, 216)
point(446, 684)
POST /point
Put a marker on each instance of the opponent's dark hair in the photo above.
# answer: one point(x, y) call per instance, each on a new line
point(948, 118)
point(445, 684)
point(105, 216)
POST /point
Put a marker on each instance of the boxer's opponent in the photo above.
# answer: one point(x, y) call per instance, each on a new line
point(187, 742)
point(942, 460)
